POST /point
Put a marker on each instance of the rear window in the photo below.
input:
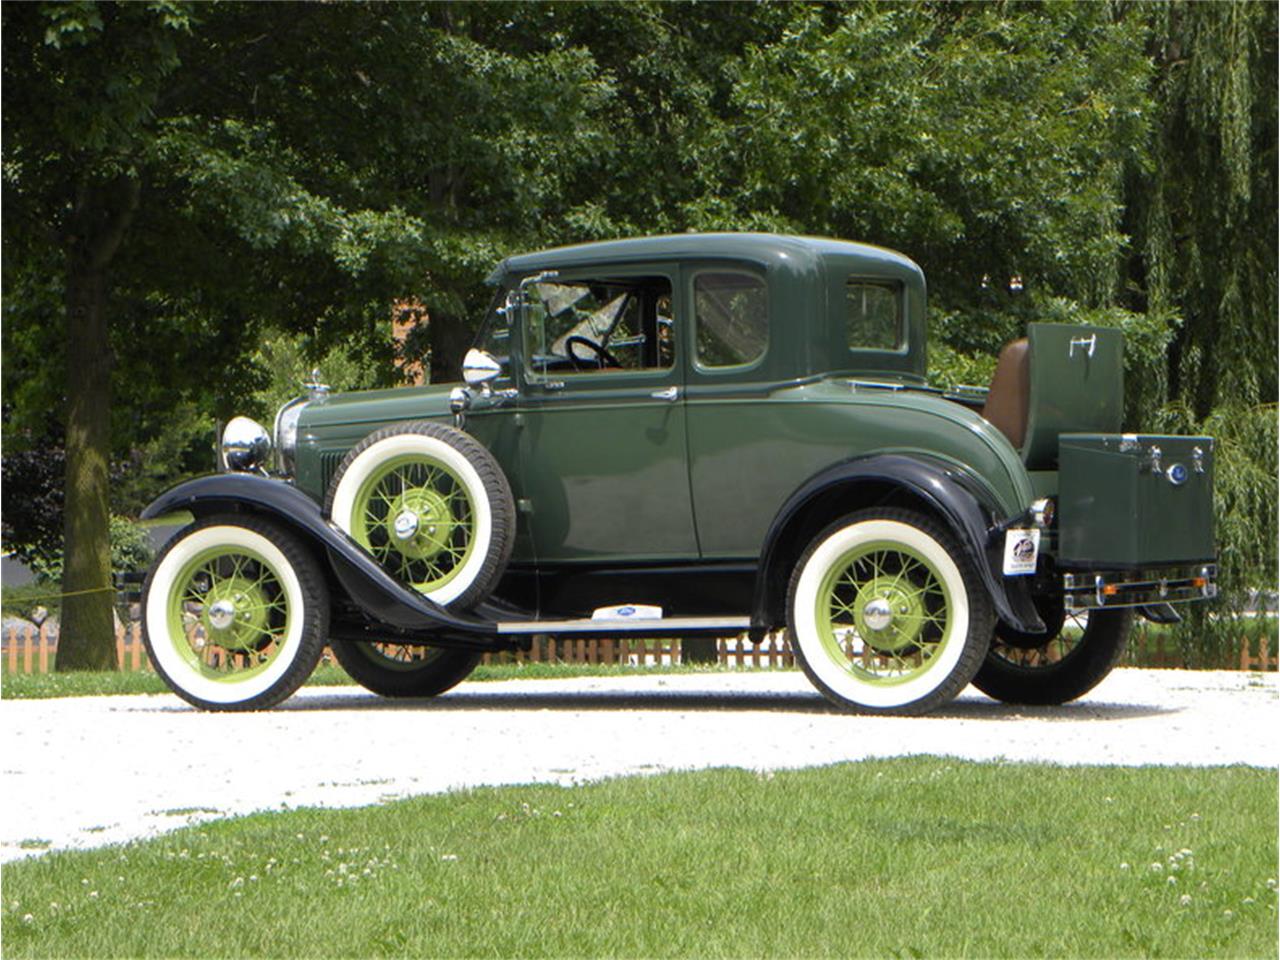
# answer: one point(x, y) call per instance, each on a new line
point(731, 314)
point(873, 313)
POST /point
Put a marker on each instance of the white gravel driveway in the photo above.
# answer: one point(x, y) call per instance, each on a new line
point(81, 772)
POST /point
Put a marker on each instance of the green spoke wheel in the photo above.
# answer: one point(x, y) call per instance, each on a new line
point(234, 613)
point(887, 614)
point(431, 505)
point(1069, 659)
point(229, 615)
point(401, 670)
point(418, 519)
point(885, 611)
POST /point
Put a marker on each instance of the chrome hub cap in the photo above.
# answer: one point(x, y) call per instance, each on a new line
point(222, 614)
point(877, 614)
point(406, 525)
point(889, 613)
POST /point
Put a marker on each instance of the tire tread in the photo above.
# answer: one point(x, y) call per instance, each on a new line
point(1100, 649)
point(443, 672)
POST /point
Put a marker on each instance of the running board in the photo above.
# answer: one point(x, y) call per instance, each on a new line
point(655, 626)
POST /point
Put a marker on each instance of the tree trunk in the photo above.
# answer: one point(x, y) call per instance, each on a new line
point(450, 336)
point(700, 650)
point(86, 637)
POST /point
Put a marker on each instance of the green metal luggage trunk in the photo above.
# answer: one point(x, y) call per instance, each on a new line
point(1130, 501)
point(1077, 385)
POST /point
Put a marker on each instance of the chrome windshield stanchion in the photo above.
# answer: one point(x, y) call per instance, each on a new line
point(459, 404)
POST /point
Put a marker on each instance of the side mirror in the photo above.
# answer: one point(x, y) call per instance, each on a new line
point(479, 368)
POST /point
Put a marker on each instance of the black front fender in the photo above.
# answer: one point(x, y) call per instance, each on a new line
point(868, 481)
point(379, 594)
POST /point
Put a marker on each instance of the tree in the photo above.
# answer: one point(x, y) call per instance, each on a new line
point(178, 183)
point(73, 188)
point(1204, 210)
point(1204, 216)
point(989, 140)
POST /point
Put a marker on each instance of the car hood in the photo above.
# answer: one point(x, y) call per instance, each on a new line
point(377, 406)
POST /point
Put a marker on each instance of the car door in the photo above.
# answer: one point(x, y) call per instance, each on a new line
point(744, 455)
point(603, 452)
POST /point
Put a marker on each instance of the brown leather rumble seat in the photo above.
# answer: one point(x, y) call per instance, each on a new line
point(1009, 399)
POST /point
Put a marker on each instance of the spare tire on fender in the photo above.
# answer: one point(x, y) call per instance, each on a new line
point(431, 505)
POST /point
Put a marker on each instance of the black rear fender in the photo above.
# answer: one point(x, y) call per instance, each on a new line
point(375, 591)
point(889, 480)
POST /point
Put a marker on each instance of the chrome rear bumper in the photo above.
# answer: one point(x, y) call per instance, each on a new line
point(1136, 588)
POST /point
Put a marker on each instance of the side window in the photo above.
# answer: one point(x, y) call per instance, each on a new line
point(874, 315)
point(731, 315)
point(589, 326)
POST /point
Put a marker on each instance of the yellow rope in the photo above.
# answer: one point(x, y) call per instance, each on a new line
point(59, 596)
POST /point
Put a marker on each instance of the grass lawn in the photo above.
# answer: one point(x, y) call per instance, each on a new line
point(899, 858)
point(20, 686)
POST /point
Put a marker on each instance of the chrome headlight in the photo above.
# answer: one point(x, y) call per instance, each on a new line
point(245, 444)
point(286, 432)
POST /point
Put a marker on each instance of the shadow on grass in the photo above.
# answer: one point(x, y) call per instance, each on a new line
point(971, 706)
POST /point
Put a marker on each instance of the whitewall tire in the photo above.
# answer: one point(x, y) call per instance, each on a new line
point(235, 613)
point(431, 505)
point(887, 614)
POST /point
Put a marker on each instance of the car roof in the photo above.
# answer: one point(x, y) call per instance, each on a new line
point(793, 252)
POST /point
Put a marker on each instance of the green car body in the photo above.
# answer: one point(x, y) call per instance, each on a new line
point(749, 441)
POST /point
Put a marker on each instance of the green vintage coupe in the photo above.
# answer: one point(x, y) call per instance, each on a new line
point(704, 435)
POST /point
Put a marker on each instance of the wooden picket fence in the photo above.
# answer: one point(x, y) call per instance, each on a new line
point(1159, 650)
point(31, 650)
point(772, 653)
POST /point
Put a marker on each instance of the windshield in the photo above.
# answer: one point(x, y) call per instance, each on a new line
point(494, 337)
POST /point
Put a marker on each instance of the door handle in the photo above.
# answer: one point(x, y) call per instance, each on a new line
point(669, 394)
point(1088, 343)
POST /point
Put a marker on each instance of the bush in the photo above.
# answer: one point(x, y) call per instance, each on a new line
point(1245, 492)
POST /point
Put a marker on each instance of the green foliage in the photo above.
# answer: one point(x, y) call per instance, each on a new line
point(114, 683)
point(31, 518)
point(180, 446)
point(950, 367)
point(130, 553)
point(284, 362)
point(131, 550)
point(88, 683)
point(1205, 210)
point(988, 144)
point(1246, 440)
point(1204, 214)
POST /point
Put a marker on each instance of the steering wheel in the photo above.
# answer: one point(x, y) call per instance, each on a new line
point(603, 357)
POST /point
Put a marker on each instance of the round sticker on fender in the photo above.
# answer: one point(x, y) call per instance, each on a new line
point(1021, 547)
